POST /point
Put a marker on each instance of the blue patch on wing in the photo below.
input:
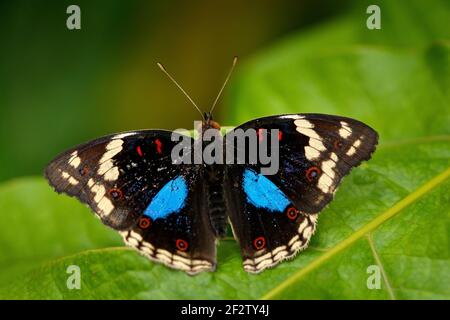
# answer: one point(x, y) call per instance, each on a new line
point(263, 193)
point(171, 198)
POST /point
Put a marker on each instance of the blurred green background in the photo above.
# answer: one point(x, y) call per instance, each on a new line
point(59, 88)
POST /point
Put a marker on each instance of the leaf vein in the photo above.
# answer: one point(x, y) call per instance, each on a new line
point(383, 271)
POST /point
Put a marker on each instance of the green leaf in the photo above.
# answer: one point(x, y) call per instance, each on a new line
point(391, 212)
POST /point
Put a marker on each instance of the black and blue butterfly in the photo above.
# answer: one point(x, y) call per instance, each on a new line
point(175, 213)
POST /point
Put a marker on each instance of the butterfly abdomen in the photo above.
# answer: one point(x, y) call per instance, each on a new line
point(215, 198)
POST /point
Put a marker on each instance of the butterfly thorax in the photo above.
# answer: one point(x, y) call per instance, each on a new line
point(209, 123)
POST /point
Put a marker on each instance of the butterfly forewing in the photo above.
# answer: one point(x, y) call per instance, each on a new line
point(315, 152)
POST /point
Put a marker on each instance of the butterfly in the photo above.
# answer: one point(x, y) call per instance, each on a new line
point(175, 213)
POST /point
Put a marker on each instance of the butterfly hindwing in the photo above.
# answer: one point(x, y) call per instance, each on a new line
point(175, 227)
point(267, 225)
point(129, 181)
point(315, 153)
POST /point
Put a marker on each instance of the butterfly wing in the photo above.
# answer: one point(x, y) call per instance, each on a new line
point(131, 184)
point(267, 225)
point(274, 216)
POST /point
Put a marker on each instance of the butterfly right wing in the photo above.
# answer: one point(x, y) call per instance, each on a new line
point(131, 184)
point(274, 216)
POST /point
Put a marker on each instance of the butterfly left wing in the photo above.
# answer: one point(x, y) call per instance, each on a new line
point(131, 184)
point(274, 216)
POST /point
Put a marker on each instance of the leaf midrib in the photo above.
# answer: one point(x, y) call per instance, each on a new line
point(366, 229)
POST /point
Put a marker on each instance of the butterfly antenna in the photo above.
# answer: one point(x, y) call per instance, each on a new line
point(179, 87)
point(224, 84)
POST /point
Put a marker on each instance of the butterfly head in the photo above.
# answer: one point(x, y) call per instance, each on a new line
point(208, 121)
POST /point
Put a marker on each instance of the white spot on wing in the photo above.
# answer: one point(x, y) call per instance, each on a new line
point(181, 259)
point(113, 148)
point(317, 144)
point(65, 175)
point(302, 123)
point(264, 264)
point(124, 135)
point(311, 153)
point(75, 160)
point(264, 257)
point(329, 165)
point(353, 148)
point(280, 248)
point(104, 205)
point(307, 233)
point(136, 235)
point(163, 258)
point(104, 167)
point(345, 130)
point(133, 242)
point(302, 225)
point(112, 175)
point(313, 218)
point(148, 245)
point(296, 246)
point(69, 178)
point(146, 250)
point(292, 116)
point(114, 144)
point(293, 240)
point(309, 132)
point(334, 157)
point(280, 255)
point(325, 183)
point(99, 191)
point(351, 151)
point(108, 170)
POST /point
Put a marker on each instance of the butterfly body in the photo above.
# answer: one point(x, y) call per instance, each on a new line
point(174, 213)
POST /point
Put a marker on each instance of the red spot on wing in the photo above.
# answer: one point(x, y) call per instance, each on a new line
point(144, 223)
point(116, 193)
point(260, 134)
point(139, 151)
point(292, 213)
point(259, 243)
point(158, 146)
point(312, 173)
point(337, 144)
point(182, 245)
point(280, 135)
point(84, 171)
